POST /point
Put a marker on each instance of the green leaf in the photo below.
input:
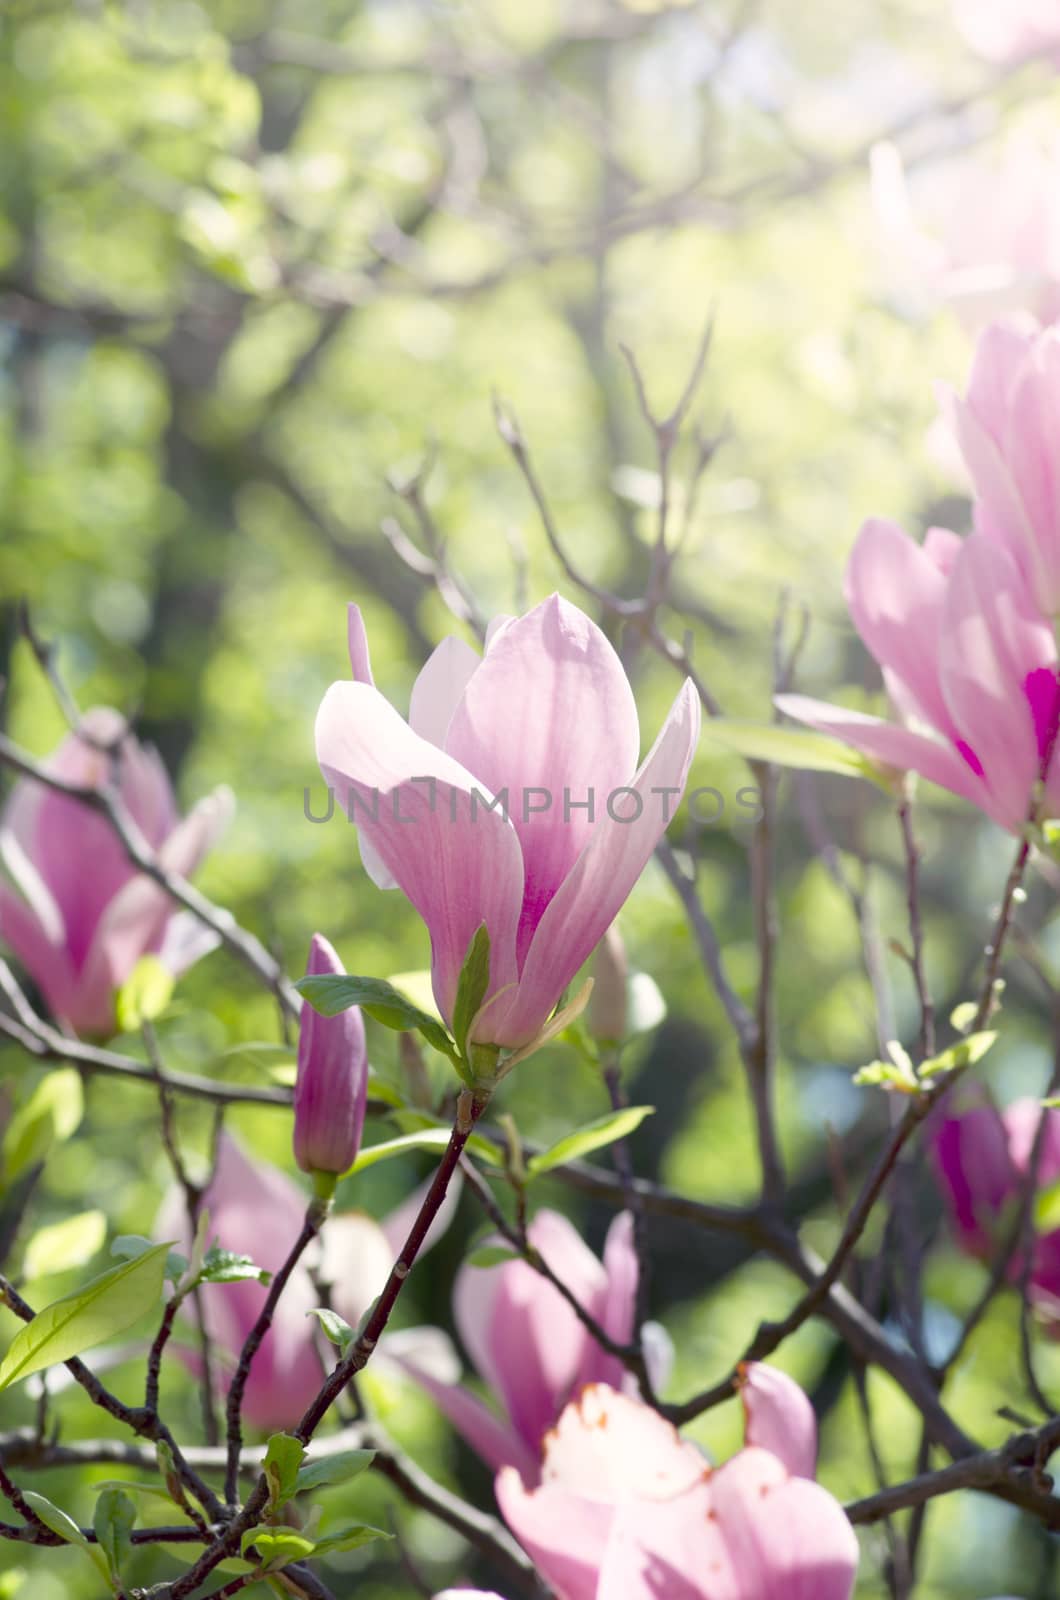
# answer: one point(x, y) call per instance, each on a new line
point(336, 1328)
point(471, 987)
point(339, 1468)
point(51, 1114)
point(1047, 1208)
point(65, 1244)
point(410, 1121)
point(228, 1266)
point(106, 1306)
point(425, 1139)
point(963, 1054)
point(276, 1546)
point(794, 747)
point(491, 1255)
point(647, 1008)
point(604, 1130)
point(330, 993)
point(283, 1457)
point(130, 1486)
point(352, 1537)
point(144, 995)
point(114, 1520)
point(963, 1016)
point(131, 1246)
point(66, 1528)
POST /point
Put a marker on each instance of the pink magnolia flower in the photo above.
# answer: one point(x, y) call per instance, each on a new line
point(983, 235)
point(982, 1157)
point(331, 1091)
point(256, 1210)
point(73, 908)
point(1009, 30)
point(512, 797)
point(968, 660)
point(529, 1346)
point(1006, 427)
point(627, 1510)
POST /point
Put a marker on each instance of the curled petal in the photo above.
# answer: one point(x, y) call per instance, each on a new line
point(779, 1418)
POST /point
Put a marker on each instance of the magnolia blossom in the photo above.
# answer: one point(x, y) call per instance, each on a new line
point(627, 1510)
point(530, 1348)
point(511, 797)
point(257, 1211)
point(332, 1088)
point(982, 1157)
point(1006, 425)
point(983, 235)
point(1009, 30)
point(969, 662)
point(73, 908)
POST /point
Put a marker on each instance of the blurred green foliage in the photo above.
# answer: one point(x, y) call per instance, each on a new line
point(258, 256)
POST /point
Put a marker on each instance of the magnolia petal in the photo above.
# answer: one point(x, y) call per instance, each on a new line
point(549, 717)
point(439, 688)
point(360, 660)
point(565, 1535)
point(786, 1538)
point(455, 859)
point(779, 1417)
point(495, 1441)
point(602, 878)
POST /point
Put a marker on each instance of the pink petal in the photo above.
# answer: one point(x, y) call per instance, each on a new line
point(185, 941)
point(786, 1538)
point(615, 1308)
point(355, 1261)
point(1029, 447)
point(549, 709)
point(779, 1418)
point(1021, 1121)
point(564, 1534)
point(895, 593)
point(495, 1441)
point(891, 746)
point(993, 640)
point(602, 878)
point(456, 860)
point(360, 660)
point(609, 1446)
point(439, 688)
point(975, 1170)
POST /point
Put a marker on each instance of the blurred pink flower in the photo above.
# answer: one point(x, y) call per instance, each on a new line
point(332, 1087)
point(983, 235)
point(1009, 30)
point(255, 1210)
point(969, 662)
point(73, 908)
point(543, 719)
point(626, 1508)
point(1006, 426)
point(981, 1158)
point(528, 1345)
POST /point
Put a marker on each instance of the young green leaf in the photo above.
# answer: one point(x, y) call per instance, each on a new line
point(144, 995)
point(228, 1266)
point(65, 1244)
point(339, 1468)
point(276, 1546)
point(965, 1053)
point(106, 1306)
point(603, 1131)
point(794, 747)
point(330, 993)
point(51, 1114)
point(491, 1255)
point(425, 1139)
point(335, 1328)
point(283, 1456)
point(352, 1537)
point(130, 1246)
point(471, 987)
point(114, 1520)
point(66, 1528)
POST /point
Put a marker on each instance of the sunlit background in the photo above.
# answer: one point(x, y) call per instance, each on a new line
point(264, 270)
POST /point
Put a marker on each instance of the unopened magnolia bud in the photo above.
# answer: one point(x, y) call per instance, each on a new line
point(609, 1004)
point(332, 1085)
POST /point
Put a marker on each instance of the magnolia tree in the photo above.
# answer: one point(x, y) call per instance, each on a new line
point(515, 810)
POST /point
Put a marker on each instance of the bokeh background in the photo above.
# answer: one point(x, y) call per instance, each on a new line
point(258, 261)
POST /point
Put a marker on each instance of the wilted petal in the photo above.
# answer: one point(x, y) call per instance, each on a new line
point(779, 1417)
point(602, 878)
point(457, 861)
point(549, 709)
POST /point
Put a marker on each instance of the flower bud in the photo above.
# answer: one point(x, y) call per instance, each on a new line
point(609, 1003)
point(332, 1086)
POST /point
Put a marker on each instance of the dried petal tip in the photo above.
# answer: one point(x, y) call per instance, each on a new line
point(332, 1086)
